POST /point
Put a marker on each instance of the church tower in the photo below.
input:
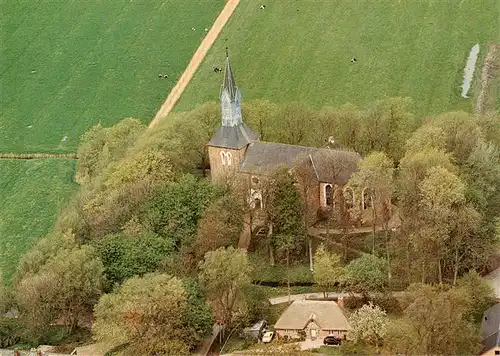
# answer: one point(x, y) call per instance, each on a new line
point(228, 145)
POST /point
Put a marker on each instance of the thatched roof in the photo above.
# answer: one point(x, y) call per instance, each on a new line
point(326, 314)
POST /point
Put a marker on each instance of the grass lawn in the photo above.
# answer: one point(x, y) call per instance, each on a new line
point(67, 65)
point(301, 50)
point(31, 194)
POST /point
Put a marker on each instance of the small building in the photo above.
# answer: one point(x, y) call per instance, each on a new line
point(255, 331)
point(312, 319)
point(490, 331)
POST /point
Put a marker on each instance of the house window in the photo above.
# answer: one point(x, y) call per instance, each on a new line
point(328, 195)
point(255, 180)
point(226, 158)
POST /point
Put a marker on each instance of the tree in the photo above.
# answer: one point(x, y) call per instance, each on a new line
point(99, 146)
point(67, 286)
point(368, 324)
point(461, 133)
point(224, 274)
point(327, 269)
point(150, 315)
point(441, 192)
point(482, 171)
point(375, 176)
point(386, 125)
point(481, 294)
point(126, 256)
point(409, 257)
point(439, 319)
point(366, 274)
point(199, 316)
point(220, 226)
point(284, 210)
point(174, 210)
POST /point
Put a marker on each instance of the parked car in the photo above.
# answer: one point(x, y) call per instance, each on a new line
point(268, 336)
point(332, 340)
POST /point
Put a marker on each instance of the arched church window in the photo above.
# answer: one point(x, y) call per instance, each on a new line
point(366, 198)
point(226, 158)
point(349, 197)
point(329, 195)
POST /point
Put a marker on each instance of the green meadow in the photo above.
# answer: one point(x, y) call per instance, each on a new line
point(32, 192)
point(301, 51)
point(66, 65)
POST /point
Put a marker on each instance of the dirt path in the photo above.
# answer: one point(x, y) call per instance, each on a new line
point(490, 71)
point(198, 57)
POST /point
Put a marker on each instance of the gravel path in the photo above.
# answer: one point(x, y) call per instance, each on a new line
point(198, 57)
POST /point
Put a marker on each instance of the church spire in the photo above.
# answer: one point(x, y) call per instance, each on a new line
point(229, 84)
point(233, 132)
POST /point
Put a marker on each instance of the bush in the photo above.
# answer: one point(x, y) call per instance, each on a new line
point(388, 302)
point(354, 302)
point(10, 332)
point(125, 256)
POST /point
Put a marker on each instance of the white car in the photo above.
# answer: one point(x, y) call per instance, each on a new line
point(267, 337)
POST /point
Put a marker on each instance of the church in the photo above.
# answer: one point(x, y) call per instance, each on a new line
point(235, 151)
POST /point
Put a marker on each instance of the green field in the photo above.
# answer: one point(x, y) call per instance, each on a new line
point(32, 192)
point(92, 61)
point(301, 50)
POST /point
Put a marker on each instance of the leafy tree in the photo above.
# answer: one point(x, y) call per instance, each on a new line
point(99, 146)
point(66, 286)
point(482, 171)
point(220, 226)
point(327, 269)
point(490, 126)
point(375, 176)
point(441, 192)
point(199, 314)
point(174, 209)
point(150, 315)
point(439, 320)
point(183, 137)
point(481, 294)
point(340, 124)
point(368, 324)
point(224, 275)
point(126, 256)
point(46, 249)
point(426, 137)
point(261, 115)
point(386, 125)
point(294, 119)
point(148, 165)
point(409, 255)
point(284, 208)
point(366, 274)
point(461, 133)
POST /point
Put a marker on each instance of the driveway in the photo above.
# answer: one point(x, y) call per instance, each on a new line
point(309, 344)
point(284, 299)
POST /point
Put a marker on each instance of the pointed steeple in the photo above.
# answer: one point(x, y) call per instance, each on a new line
point(233, 133)
point(229, 84)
